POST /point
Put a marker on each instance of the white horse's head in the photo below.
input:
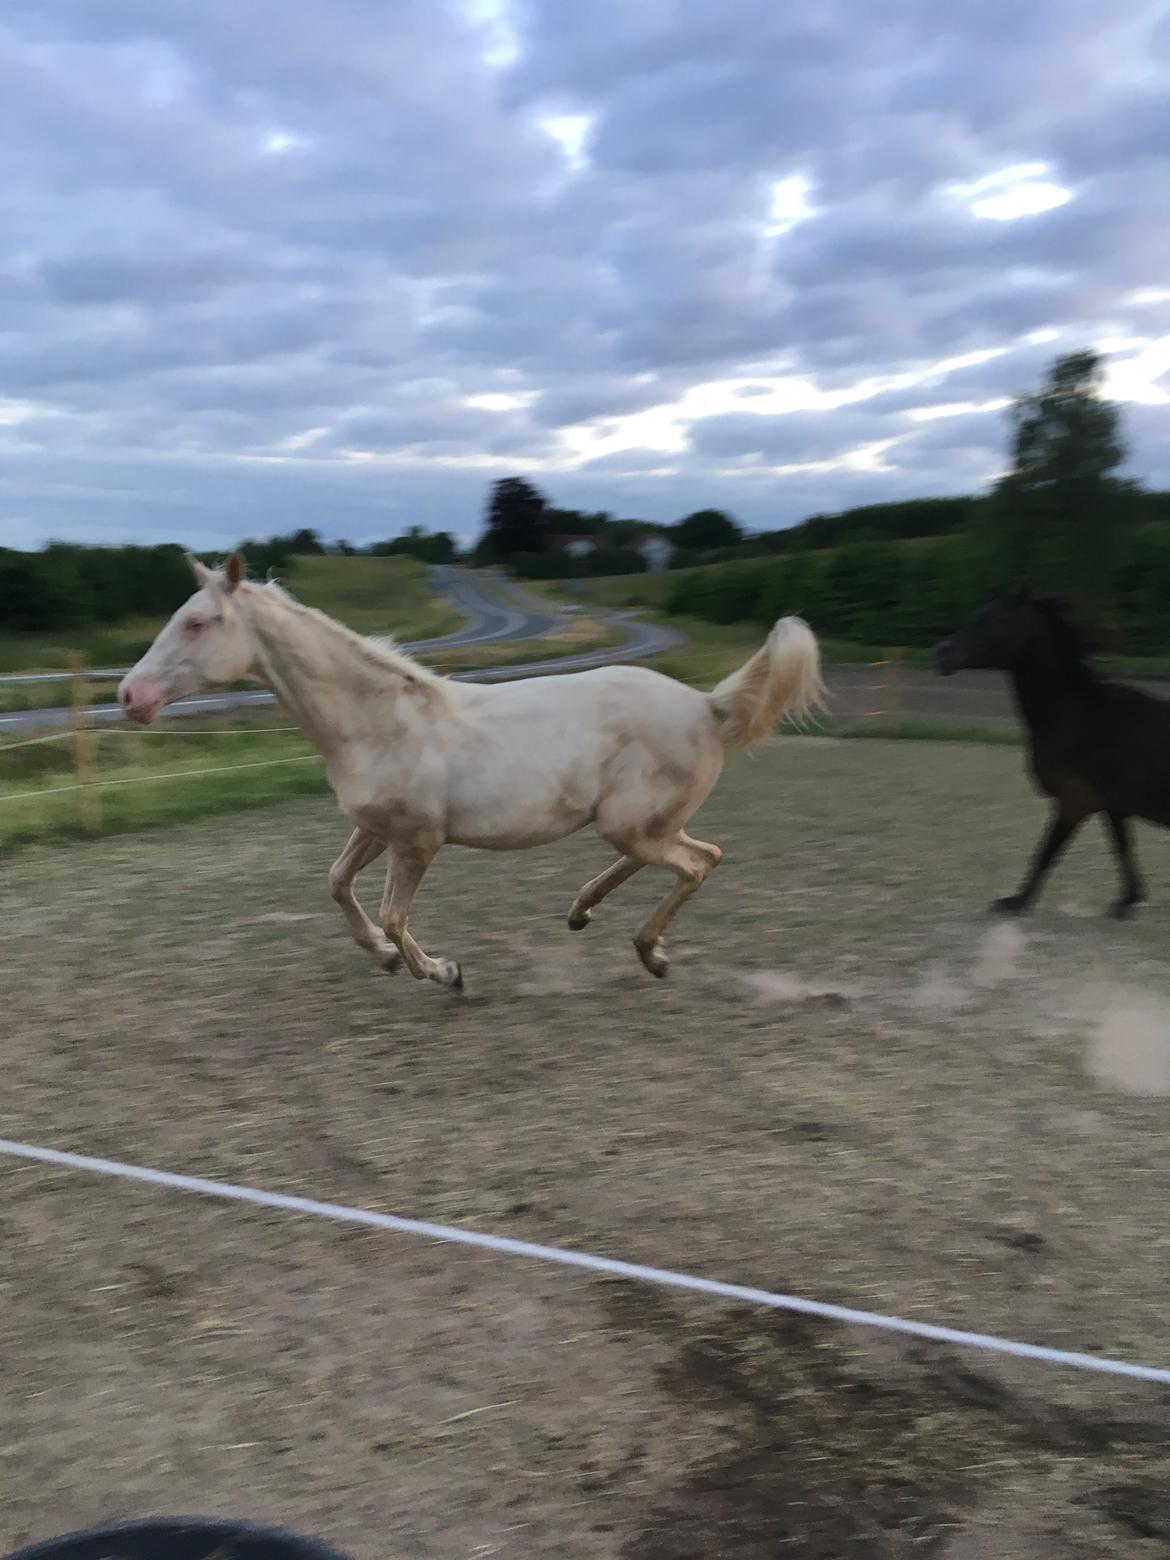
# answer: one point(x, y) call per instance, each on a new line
point(205, 645)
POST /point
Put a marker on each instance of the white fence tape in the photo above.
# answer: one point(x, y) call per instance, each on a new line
point(608, 1266)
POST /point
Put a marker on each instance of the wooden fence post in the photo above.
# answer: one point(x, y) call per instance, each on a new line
point(888, 688)
point(89, 805)
point(894, 698)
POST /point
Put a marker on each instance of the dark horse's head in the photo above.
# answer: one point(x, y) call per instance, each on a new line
point(1005, 631)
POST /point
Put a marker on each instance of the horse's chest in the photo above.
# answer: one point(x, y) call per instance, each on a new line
point(1059, 775)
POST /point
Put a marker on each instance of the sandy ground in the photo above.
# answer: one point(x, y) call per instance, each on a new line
point(853, 1085)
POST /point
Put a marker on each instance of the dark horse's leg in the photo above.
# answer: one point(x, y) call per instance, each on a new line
point(1060, 831)
point(1132, 892)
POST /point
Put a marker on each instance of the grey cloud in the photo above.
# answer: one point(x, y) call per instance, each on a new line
point(791, 437)
point(188, 294)
point(598, 396)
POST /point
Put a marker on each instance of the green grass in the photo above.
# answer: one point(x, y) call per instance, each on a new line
point(930, 731)
point(374, 595)
point(119, 645)
point(139, 764)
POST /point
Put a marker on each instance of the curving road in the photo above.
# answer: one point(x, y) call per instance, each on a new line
point(496, 611)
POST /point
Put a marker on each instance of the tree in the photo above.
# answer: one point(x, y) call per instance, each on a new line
point(1059, 517)
point(415, 542)
point(305, 542)
point(516, 519)
point(706, 530)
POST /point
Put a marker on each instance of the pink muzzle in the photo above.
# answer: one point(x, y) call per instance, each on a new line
point(140, 699)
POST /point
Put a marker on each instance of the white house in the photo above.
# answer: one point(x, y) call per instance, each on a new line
point(657, 552)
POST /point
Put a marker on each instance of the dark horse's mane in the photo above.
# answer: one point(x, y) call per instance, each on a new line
point(1070, 641)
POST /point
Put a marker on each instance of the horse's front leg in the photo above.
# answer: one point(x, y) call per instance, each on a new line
point(408, 865)
point(1061, 828)
point(361, 850)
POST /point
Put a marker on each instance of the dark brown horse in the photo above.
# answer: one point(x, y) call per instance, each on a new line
point(1096, 746)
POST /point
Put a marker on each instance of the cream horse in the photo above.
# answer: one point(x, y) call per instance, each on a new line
point(418, 762)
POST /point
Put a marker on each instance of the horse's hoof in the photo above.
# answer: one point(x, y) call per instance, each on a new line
point(1013, 904)
point(655, 961)
point(578, 923)
point(390, 963)
point(456, 981)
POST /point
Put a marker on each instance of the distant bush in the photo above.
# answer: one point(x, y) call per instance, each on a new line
point(66, 584)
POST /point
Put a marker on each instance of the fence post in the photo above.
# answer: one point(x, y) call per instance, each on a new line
point(887, 689)
point(89, 806)
point(894, 660)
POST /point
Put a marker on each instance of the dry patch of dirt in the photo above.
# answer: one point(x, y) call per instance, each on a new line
point(853, 1086)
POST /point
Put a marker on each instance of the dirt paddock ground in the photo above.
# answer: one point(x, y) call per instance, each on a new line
point(853, 1086)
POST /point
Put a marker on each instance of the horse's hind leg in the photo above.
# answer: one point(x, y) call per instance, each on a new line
point(360, 851)
point(1132, 891)
point(408, 865)
point(691, 861)
point(581, 910)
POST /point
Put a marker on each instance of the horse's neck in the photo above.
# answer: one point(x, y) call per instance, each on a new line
point(317, 671)
point(1046, 686)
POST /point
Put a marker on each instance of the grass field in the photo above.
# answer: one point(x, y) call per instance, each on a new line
point(156, 778)
point(853, 1086)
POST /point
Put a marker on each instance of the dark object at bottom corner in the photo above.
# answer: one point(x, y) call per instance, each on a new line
point(179, 1538)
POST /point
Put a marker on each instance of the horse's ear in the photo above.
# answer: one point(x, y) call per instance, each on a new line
point(203, 575)
point(234, 571)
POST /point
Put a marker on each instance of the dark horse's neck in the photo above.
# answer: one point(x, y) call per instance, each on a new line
point(1048, 682)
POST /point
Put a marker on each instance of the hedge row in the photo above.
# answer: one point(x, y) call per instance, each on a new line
point(65, 585)
point(885, 593)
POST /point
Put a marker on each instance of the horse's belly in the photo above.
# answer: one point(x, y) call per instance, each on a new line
point(512, 825)
point(533, 804)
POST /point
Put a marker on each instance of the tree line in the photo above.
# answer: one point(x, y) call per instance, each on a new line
point(1060, 519)
point(875, 592)
point(66, 585)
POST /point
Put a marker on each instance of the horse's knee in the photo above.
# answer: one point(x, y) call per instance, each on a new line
point(339, 886)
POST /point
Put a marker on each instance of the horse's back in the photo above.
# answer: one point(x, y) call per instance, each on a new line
point(603, 693)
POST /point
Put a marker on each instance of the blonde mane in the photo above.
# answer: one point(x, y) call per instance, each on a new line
point(380, 651)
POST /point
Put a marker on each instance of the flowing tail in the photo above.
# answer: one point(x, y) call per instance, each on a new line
point(782, 678)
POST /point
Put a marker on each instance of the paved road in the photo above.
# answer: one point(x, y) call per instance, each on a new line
point(497, 611)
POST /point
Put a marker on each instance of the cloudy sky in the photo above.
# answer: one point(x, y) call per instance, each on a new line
point(343, 263)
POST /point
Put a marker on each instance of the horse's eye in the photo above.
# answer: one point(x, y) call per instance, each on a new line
point(195, 625)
